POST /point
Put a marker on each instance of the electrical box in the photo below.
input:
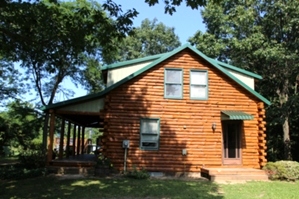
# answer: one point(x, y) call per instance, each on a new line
point(126, 144)
point(184, 151)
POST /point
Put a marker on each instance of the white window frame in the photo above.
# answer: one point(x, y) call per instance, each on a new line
point(148, 138)
point(202, 83)
point(169, 83)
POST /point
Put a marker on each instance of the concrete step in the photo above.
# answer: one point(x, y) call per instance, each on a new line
point(216, 178)
point(72, 164)
point(234, 174)
point(236, 171)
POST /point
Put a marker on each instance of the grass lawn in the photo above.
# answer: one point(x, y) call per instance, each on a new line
point(124, 188)
point(265, 190)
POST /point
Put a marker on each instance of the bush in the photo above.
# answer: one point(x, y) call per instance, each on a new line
point(16, 172)
point(32, 159)
point(138, 174)
point(282, 170)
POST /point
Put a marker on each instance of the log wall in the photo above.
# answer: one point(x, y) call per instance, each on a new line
point(184, 123)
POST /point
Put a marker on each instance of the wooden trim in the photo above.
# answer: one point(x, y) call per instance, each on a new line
point(51, 136)
point(60, 155)
point(68, 139)
point(78, 140)
point(83, 139)
point(74, 140)
point(63, 112)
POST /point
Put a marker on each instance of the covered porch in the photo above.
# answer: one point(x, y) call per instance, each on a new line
point(69, 120)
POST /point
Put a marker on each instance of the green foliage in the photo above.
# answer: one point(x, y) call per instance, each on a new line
point(151, 38)
point(33, 158)
point(138, 174)
point(170, 5)
point(16, 172)
point(19, 125)
point(282, 170)
point(53, 40)
point(9, 81)
point(247, 34)
point(103, 161)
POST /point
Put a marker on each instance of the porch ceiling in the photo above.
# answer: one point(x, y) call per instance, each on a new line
point(83, 119)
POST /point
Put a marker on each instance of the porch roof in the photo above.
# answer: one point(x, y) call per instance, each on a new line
point(235, 115)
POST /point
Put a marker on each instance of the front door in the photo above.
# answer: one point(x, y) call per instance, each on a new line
point(232, 142)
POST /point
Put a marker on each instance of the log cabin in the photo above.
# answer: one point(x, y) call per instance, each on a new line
point(179, 111)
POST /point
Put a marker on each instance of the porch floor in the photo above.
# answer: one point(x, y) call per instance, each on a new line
point(234, 174)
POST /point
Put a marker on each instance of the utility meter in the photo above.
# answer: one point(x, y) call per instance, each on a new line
point(126, 144)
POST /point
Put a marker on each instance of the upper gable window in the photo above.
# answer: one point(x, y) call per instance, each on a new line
point(173, 80)
point(199, 84)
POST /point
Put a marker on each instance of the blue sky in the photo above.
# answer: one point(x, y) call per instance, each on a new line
point(185, 21)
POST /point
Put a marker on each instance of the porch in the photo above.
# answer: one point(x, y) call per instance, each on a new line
point(234, 174)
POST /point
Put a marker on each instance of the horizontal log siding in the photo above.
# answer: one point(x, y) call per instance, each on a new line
point(184, 123)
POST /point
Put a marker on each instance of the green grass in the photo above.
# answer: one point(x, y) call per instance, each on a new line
point(125, 188)
point(265, 190)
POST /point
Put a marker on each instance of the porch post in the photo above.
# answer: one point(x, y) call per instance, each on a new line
point(78, 141)
point(60, 155)
point(68, 139)
point(74, 140)
point(83, 140)
point(51, 136)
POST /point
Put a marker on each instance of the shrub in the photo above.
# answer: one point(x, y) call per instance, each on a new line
point(16, 172)
point(32, 158)
point(282, 170)
point(103, 161)
point(138, 174)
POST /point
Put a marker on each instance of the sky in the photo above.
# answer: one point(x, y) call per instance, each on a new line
point(185, 21)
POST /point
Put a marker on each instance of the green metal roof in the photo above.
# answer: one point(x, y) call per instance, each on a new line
point(235, 115)
point(156, 60)
point(131, 62)
point(234, 68)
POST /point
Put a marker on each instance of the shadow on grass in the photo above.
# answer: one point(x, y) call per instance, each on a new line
point(51, 187)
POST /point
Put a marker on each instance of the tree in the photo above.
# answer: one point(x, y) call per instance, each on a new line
point(19, 124)
point(260, 35)
point(54, 40)
point(172, 4)
point(150, 38)
point(9, 81)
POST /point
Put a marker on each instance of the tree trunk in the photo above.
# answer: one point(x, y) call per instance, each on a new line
point(287, 140)
point(283, 99)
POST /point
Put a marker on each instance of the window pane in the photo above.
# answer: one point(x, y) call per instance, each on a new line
point(198, 77)
point(147, 137)
point(198, 92)
point(173, 76)
point(173, 90)
point(149, 126)
point(149, 144)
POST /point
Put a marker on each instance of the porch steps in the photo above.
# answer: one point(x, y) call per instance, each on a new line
point(234, 174)
point(60, 170)
point(73, 167)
